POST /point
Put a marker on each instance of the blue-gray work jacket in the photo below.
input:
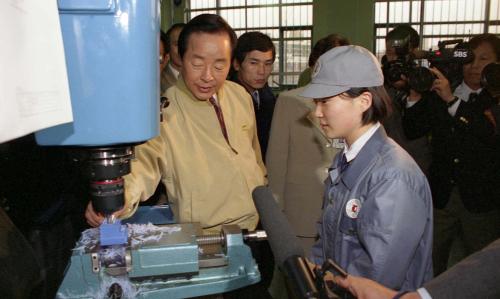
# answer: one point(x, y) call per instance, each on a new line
point(377, 217)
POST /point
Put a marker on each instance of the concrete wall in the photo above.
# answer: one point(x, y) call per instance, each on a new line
point(171, 14)
point(353, 19)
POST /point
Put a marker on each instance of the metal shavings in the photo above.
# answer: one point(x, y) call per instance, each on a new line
point(112, 252)
point(141, 233)
point(89, 239)
point(138, 234)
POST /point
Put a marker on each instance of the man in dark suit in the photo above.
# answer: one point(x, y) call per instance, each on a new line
point(464, 171)
point(477, 276)
point(253, 62)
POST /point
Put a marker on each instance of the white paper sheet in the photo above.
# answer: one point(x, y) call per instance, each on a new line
point(34, 92)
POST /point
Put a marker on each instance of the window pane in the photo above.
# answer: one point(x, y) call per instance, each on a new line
point(458, 10)
point(226, 3)
point(381, 31)
point(298, 15)
point(380, 47)
point(415, 11)
point(235, 17)
point(262, 2)
point(296, 1)
point(297, 33)
point(494, 29)
point(289, 80)
point(296, 55)
point(399, 12)
point(494, 10)
point(381, 12)
point(263, 17)
point(197, 4)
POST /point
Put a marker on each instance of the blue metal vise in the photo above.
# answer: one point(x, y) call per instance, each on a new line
point(167, 261)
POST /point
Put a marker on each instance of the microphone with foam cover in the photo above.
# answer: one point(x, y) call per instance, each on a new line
point(284, 244)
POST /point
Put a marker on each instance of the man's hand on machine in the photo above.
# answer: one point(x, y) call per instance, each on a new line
point(95, 219)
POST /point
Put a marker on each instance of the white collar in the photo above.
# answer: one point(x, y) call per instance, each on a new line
point(174, 71)
point(215, 98)
point(352, 151)
point(463, 91)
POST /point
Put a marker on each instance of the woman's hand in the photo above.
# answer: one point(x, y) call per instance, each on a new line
point(442, 86)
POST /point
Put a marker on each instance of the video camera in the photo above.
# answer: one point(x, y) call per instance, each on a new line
point(490, 80)
point(448, 61)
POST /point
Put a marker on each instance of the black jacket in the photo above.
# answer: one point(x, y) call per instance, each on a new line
point(465, 150)
point(263, 114)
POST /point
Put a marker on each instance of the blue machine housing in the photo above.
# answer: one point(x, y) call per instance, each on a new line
point(111, 51)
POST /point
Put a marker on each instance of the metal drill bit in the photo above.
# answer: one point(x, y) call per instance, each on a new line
point(110, 219)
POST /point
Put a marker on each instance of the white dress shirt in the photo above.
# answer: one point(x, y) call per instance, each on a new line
point(352, 151)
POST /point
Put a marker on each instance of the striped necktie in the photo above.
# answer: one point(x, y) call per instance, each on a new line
point(256, 98)
point(220, 117)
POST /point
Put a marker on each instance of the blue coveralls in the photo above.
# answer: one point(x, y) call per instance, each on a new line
point(377, 217)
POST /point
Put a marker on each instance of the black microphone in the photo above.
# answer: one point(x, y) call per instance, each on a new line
point(286, 249)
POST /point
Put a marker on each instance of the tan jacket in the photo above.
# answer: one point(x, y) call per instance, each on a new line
point(206, 181)
point(298, 158)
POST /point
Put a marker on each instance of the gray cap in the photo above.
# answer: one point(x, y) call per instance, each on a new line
point(341, 69)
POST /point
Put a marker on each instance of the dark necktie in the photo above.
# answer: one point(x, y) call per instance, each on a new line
point(472, 97)
point(343, 163)
point(256, 98)
point(220, 117)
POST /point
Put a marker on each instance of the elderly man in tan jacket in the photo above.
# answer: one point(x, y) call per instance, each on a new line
point(207, 154)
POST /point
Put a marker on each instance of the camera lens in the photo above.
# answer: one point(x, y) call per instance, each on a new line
point(420, 79)
point(490, 79)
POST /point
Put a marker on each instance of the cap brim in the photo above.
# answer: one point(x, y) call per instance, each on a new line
point(318, 91)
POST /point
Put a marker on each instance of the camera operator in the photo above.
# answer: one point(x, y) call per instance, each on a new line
point(464, 170)
point(401, 48)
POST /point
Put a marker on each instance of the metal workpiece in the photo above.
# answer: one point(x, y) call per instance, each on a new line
point(256, 235)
